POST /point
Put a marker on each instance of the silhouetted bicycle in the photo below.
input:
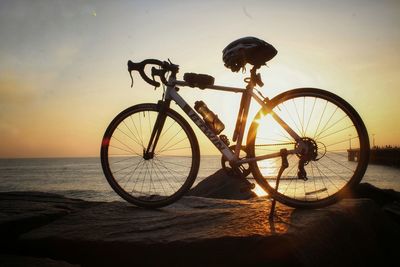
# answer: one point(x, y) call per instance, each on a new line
point(300, 146)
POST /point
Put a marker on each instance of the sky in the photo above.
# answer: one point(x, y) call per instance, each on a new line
point(63, 74)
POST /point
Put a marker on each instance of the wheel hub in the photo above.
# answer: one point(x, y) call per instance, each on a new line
point(147, 155)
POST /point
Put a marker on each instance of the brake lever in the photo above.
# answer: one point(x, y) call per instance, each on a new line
point(140, 68)
point(160, 73)
point(130, 74)
point(153, 76)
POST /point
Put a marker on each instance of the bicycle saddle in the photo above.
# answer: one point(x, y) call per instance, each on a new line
point(247, 50)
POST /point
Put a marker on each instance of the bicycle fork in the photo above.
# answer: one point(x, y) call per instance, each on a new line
point(148, 153)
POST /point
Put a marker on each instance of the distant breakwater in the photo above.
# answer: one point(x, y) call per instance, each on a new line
point(389, 156)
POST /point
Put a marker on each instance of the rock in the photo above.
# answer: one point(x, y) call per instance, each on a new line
point(388, 199)
point(120, 234)
point(380, 196)
point(223, 186)
point(213, 232)
point(23, 211)
point(17, 261)
point(353, 232)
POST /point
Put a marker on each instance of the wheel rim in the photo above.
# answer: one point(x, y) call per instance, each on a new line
point(137, 178)
point(324, 120)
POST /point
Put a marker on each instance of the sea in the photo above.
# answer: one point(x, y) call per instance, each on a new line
point(83, 178)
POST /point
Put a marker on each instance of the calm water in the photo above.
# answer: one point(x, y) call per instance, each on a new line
point(83, 177)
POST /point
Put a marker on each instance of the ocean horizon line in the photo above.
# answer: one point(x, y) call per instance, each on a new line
point(77, 157)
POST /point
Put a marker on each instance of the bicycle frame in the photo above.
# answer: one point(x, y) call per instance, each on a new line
point(248, 94)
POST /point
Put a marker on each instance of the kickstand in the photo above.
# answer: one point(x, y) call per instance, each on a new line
point(284, 165)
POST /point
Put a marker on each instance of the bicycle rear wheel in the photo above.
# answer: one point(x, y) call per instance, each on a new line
point(157, 181)
point(337, 141)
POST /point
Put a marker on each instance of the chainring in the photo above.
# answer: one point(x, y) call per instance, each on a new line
point(243, 169)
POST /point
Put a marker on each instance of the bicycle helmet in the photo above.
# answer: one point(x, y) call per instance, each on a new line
point(247, 50)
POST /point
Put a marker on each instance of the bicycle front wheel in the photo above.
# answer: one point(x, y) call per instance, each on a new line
point(157, 181)
point(336, 142)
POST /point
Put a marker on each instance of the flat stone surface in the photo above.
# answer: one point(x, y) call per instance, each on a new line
point(199, 231)
point(23, 211)
point(19, 261)
point(187, 220)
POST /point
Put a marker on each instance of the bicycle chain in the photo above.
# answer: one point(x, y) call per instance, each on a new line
point(283, 144)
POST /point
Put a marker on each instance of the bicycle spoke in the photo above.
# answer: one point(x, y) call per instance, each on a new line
point(341, 164)
point(133, 172)
point(291, 180)
point(333, 124)
point(320, 119)
point(342, 141)
point(290, 116)
point(165, 178)
point(159, 178)
point(123, 168)
point(143, 179)
point(173, 149)
point(323, 174)
point(171, 139)
point(335, 173)
point(309, 119)
point(280, 135)
point(338, 131)
point(338, 154)
point(140, 127)
point(122, 160)
point(313, 178)
point(151, 177)
point(128, 136)
point(176, 143)
point(298, 116)
point(302, 121)
point(134, 125)
point(323, 128)
point(130, 151)
point(169, 170)
point(176, 164)
point(164, 132)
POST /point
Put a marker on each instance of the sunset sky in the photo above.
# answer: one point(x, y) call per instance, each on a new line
point(63, 70)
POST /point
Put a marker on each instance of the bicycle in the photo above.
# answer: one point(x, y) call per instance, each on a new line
point(296, 147)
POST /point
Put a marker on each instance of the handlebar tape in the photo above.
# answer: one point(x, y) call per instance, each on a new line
point(140, 68)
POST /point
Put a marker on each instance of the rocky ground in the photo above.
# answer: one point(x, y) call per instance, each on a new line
point(41, 229)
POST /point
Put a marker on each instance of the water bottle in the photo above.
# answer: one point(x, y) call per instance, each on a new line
point(209, 117)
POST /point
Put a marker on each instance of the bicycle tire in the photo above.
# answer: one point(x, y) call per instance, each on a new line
point(330, 177)
point(155, 182)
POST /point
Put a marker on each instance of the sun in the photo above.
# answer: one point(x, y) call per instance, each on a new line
point(259, 191)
